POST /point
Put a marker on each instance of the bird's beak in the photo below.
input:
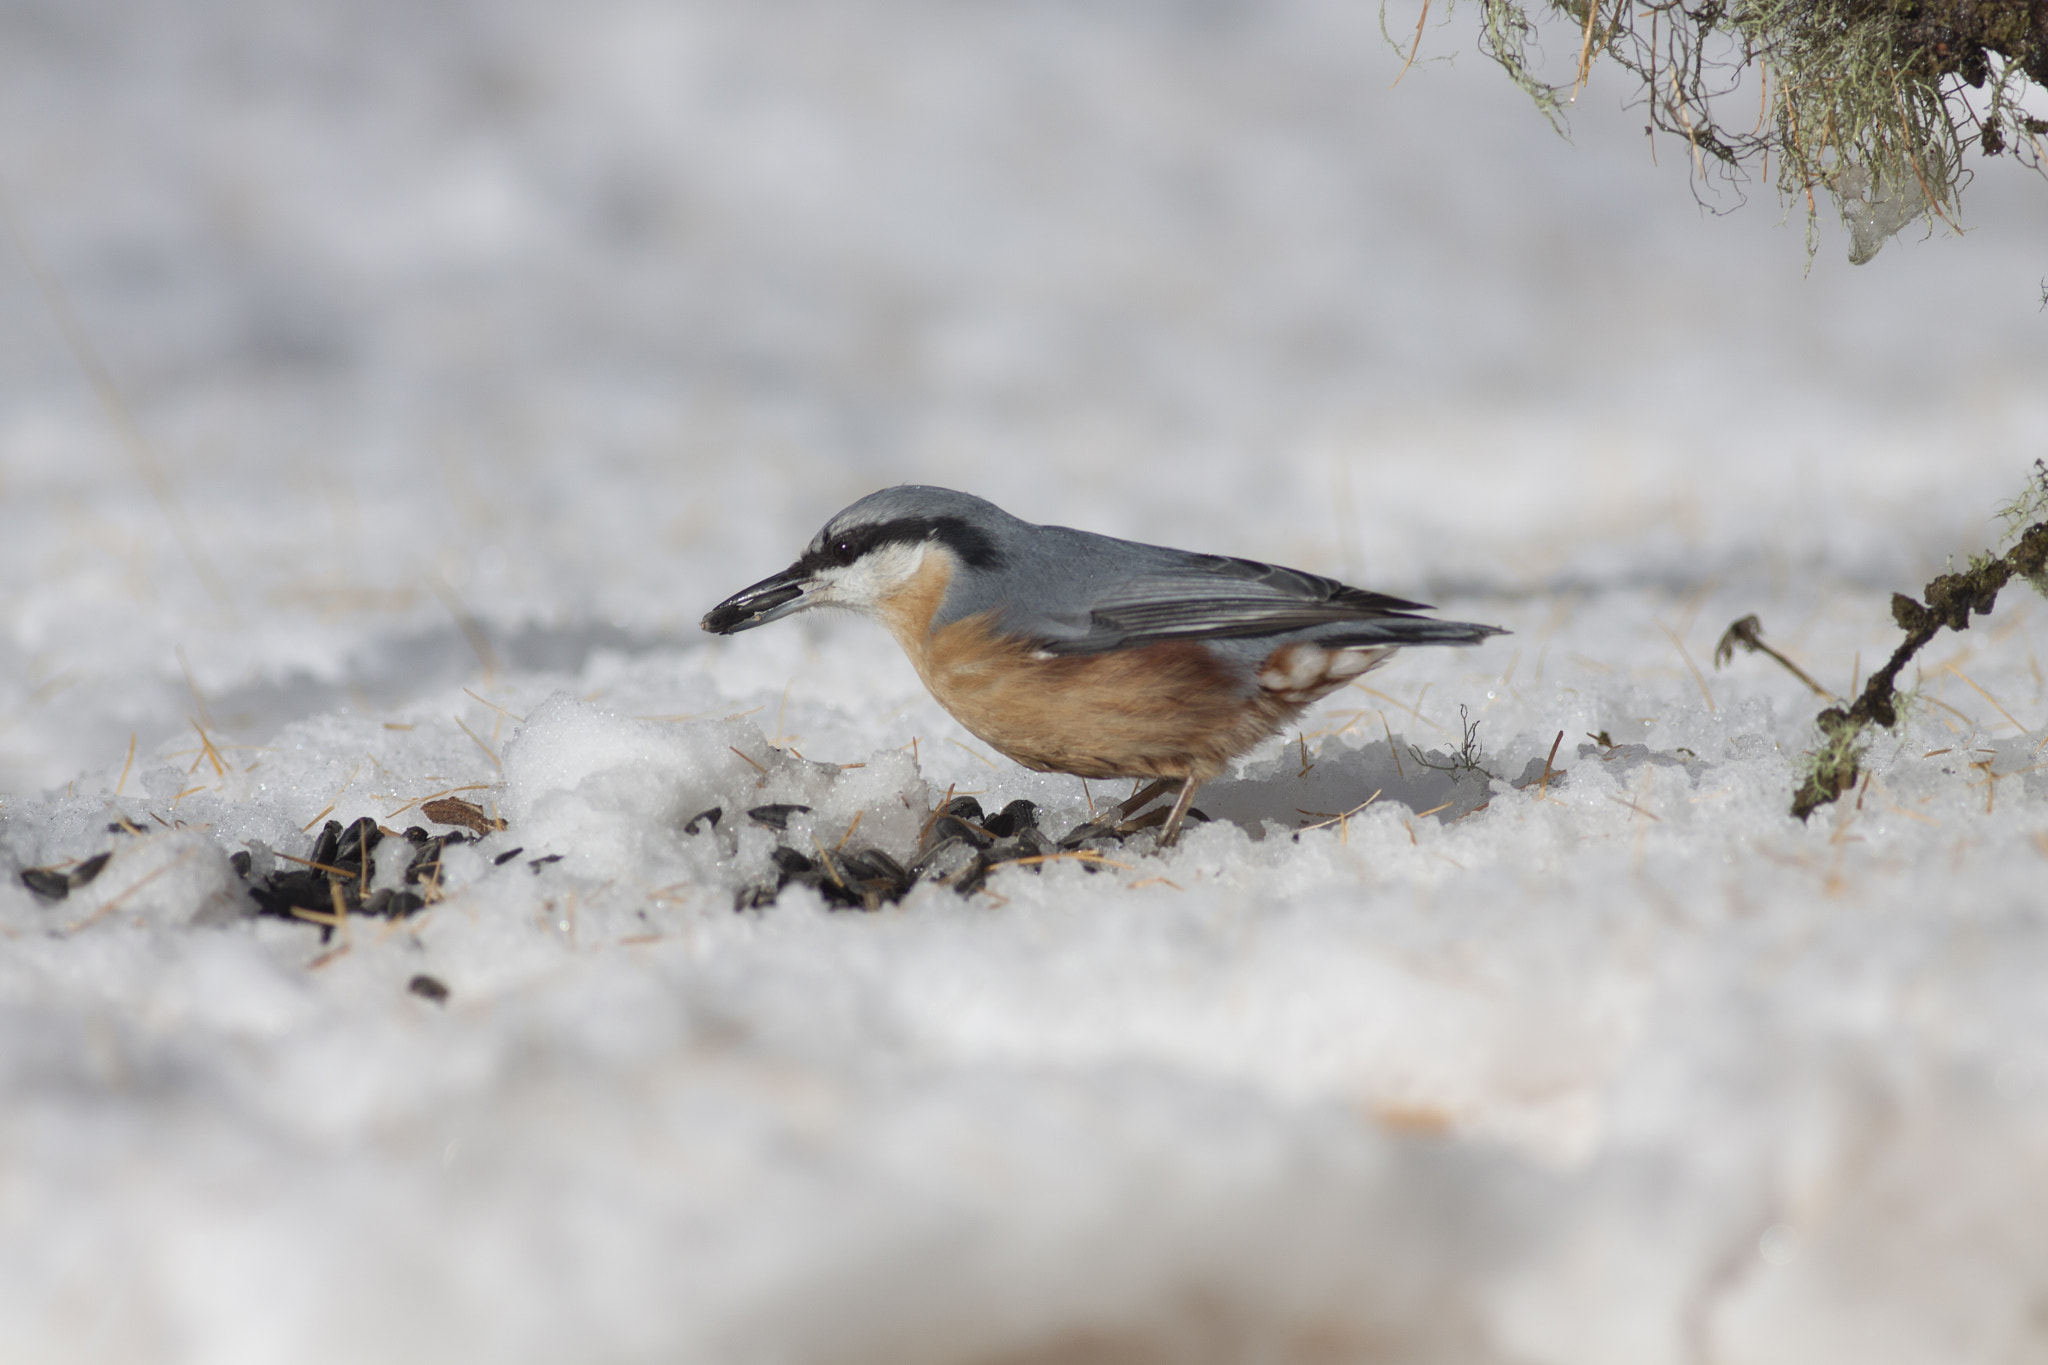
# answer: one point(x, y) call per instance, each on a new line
point(770, 599)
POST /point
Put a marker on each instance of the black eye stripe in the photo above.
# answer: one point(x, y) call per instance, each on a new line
point(846, 547)
point(969, 542)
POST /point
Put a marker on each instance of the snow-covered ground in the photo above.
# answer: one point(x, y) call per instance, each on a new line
point(475, 350)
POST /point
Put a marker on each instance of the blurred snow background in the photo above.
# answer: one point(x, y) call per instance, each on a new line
point(479, 348)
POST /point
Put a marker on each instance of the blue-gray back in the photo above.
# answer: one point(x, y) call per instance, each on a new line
point(1076, 592)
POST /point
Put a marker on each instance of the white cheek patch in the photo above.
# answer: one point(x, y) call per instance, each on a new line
point(870, 580)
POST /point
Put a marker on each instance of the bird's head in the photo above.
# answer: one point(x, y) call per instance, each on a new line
point(870, 553)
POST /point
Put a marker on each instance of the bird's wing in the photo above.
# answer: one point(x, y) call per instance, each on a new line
point(1209, 597)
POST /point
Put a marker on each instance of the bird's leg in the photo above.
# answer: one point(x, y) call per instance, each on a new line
point(1171, 831)
point(1145, 796)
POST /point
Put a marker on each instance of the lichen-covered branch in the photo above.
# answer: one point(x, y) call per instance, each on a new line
point(1863, 102)
point(1951, 600)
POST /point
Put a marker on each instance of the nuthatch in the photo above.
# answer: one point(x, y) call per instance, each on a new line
point(1078, 653)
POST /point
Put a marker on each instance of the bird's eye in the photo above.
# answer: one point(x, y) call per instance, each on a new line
point(843, 550)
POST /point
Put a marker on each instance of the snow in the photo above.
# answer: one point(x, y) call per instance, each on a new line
point(478, 350)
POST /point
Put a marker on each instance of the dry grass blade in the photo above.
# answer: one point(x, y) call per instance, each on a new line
point(1414, 710)
point(126, 764)
point(849, 831)
point(1420, 20)
point(937, 811)
point(1585, 50)
point(208, 753)
point(340, 950)
point(1686, 655)
point(495, 707)
point(825, 861)
point(1995, 703)
point(969, 749)
point(319, 867)
point(1341, 816)
point(1624, 801)
point(480, 744)
point(115, 902)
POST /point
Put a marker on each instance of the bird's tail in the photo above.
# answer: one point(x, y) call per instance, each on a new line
point(1408, 630)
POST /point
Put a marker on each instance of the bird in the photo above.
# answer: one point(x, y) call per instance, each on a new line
point(1073, 652)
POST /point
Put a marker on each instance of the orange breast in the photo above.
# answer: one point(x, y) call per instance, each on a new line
point(1166, 710)
point(1163, 710)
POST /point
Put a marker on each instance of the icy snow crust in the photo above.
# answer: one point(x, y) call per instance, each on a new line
point(482, 350)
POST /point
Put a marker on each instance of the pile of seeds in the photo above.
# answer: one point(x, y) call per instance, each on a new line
point(960, 847)
point(54, 884)
point(330, 883)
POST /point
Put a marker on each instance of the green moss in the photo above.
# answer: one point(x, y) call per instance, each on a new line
point(1862, 101)
point(2023, 511)
point(1833, 767)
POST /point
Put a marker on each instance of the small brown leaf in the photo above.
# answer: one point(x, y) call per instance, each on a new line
point(453, 810)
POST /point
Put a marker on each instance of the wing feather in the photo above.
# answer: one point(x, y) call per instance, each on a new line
point(1209, 597)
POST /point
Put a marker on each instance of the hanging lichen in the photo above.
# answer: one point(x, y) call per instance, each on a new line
point(1874, 104)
